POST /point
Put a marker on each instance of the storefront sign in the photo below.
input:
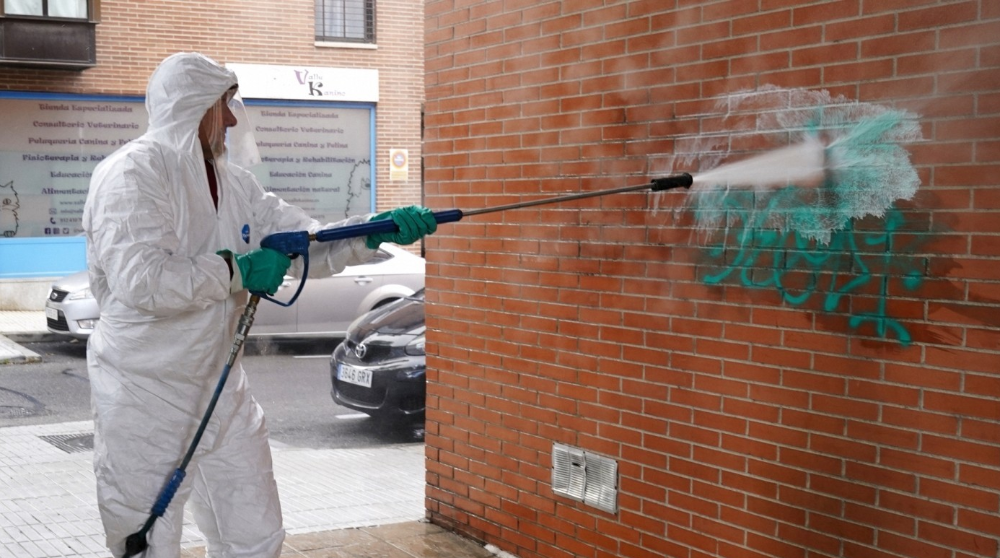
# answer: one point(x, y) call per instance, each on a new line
point(313, 155)
point(48, 152)
point(303, 83)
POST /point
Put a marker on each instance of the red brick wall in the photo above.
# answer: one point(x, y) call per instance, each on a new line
point(744, 422)
point(133, 37)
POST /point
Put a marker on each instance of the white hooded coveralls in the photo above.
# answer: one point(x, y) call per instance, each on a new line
point(167, 325)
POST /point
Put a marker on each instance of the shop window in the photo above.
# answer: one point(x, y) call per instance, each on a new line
point(345, 21)
point(49, 33)
point(316, 155)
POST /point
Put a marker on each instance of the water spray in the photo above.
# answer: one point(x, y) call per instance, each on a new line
point(845, 162)
point(803, 165)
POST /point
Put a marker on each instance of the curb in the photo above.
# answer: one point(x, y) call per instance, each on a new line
point(12, 353)
point(35, 337)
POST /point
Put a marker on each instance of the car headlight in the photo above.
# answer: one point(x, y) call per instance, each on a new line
point(78, 295)
point(416, 347)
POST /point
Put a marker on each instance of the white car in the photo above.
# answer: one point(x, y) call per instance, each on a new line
point(325, 308)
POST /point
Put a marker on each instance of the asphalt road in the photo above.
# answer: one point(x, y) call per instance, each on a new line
point(290, 379)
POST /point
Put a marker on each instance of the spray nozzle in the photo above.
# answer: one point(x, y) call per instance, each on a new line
point(682, 180)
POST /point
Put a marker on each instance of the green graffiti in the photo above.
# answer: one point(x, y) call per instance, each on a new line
point(856, 262)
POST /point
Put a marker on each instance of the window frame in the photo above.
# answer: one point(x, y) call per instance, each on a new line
point(93, 11)
point(369, 24)
point(50, 42)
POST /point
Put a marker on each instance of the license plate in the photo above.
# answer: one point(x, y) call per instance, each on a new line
point(51, 313)
point(352, 375)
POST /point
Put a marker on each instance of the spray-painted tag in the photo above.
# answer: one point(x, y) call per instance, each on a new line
point(246, 233)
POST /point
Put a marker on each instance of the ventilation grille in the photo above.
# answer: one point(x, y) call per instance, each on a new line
point(585, 477)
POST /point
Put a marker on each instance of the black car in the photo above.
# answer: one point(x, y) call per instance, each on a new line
point(379, 367)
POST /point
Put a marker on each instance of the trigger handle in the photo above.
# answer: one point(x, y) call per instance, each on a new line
point(291, 244)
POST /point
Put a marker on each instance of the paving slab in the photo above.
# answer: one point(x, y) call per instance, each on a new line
point(50, 502)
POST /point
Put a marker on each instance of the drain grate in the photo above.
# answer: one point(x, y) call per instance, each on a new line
point(72, 443)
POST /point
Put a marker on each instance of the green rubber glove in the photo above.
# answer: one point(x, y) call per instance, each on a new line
point(260, 271)
point(414, 223)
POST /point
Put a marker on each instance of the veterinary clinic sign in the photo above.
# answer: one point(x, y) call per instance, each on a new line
point(306, 83)
point(48, 152)
point(316, 157)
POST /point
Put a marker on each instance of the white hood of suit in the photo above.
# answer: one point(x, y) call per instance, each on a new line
point(182, 88)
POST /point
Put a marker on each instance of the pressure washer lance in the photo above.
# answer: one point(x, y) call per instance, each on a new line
point(296, 243)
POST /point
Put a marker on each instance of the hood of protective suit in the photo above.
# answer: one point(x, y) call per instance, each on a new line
point(180, 91)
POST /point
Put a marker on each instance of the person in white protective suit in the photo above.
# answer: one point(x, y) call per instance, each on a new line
point(173, 232)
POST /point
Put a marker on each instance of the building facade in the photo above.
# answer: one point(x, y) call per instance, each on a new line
point(333, 90)
point(805, 364)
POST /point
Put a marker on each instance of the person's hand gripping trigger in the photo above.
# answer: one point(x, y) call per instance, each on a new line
point(414, 223)
point(260, 271)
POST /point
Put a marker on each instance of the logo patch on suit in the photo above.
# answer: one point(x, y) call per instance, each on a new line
point(246, 233)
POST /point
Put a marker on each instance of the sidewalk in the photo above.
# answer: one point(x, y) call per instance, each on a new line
point(349, 503)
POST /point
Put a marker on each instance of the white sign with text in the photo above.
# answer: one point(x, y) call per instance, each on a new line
point(304, 83)
point(318, 158)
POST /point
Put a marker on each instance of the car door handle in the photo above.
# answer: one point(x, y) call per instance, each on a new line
point(362, 280)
